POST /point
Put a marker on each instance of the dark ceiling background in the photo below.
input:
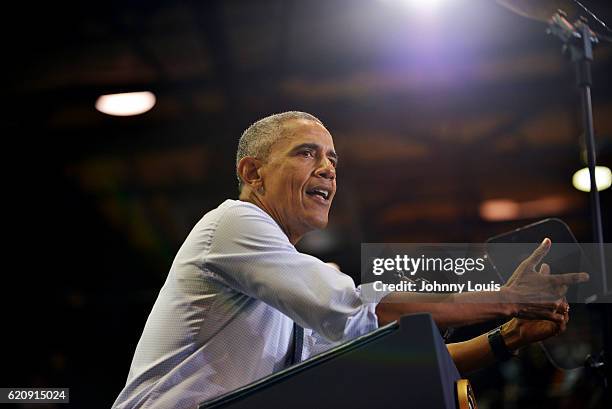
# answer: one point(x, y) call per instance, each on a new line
point(432, 115)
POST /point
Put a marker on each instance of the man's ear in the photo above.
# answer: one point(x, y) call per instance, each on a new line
point(248, 169)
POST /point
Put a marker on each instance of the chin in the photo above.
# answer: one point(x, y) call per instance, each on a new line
point(314, 219)
point(319, 223)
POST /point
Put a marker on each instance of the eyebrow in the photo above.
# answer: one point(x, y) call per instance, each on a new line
point(315, 147)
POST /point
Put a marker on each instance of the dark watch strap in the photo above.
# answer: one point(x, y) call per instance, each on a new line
point(498, 346)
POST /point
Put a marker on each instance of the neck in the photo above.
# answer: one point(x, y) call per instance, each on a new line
point(256, 199)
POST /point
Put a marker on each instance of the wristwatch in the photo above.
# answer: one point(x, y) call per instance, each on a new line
point(498, 346)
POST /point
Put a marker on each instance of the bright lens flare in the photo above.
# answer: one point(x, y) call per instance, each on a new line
point(424, 6)
point(126, 104)
point(582, 181)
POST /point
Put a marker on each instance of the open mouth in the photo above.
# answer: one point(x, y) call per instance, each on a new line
point(321, 194)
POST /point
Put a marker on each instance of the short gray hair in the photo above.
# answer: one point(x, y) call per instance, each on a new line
point(258, 138)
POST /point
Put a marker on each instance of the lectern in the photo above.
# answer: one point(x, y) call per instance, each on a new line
point(402, 365)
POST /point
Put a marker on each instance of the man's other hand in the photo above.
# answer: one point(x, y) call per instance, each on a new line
point(519, 332)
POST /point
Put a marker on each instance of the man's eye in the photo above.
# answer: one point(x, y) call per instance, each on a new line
point(308, 154)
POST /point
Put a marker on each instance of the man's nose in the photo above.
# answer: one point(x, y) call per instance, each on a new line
point(326, 169)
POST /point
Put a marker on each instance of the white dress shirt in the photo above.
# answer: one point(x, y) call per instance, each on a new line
point(224, 317)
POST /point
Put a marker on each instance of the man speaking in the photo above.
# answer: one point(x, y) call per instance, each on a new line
point(240, 302)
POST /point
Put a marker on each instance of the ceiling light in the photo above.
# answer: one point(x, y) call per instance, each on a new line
point(126, 104)
point(505, 209)
point(499, 209)
point(582, 181)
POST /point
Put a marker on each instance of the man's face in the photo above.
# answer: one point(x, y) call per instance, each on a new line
point(299, 178)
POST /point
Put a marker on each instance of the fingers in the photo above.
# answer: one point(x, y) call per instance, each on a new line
point(563, 325)
point(563, 310)
point(547, 312)
point(560, 317)
point(532, 310)
point(561, 290)
point(569, 278)
point(556, 317)
point(538, 254)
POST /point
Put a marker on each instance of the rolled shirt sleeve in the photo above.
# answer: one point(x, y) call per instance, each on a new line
point(252, 254)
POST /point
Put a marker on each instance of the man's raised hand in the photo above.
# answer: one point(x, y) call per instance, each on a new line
point(535, 293)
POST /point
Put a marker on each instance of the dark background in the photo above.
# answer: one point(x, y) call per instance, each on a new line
point(432, 115)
